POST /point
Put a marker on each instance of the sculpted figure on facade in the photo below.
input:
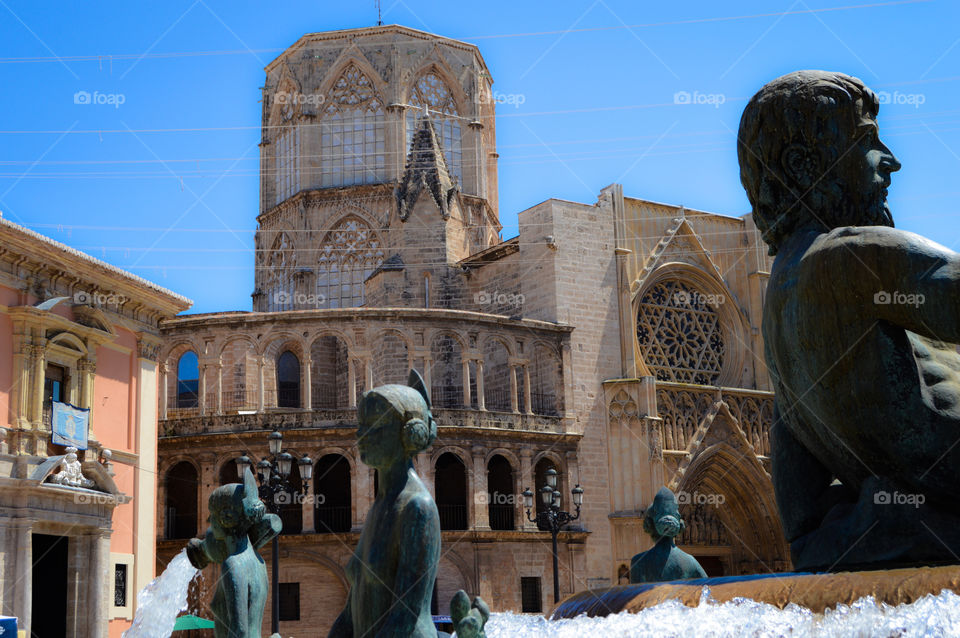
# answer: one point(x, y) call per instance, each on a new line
point(71, 472)
point(859, 327)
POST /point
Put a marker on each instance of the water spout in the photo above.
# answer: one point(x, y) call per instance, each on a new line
point(162, 600)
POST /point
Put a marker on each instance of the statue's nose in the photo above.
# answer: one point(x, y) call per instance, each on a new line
point(668, 525)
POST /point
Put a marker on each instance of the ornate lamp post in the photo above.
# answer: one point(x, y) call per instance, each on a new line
point(553, 518)
point(273, 477)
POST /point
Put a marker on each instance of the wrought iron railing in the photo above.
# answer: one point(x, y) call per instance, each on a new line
point(452, 516)
point(501, 516)
point(332, 519)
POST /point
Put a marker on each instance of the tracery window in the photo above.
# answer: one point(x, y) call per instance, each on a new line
point(432, 92)
point(286, 162)
point(280, 266)
point(352, 136)
point(349, 254)
point(679, 333)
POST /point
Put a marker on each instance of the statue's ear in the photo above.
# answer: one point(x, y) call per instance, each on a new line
point(416, 382)
point(801, 164)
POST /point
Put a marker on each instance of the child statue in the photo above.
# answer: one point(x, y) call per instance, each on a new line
point(239, 526)
point(665, 561)
point(394, 567)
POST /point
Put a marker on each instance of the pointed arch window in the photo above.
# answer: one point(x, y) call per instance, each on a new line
point(352, 133)
point(280, 266)
point(286, 162)
point(432, 92)
point(349, 254)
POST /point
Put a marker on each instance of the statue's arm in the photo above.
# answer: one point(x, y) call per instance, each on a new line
point(343, 625)
point(416, 566)
point(905, 279)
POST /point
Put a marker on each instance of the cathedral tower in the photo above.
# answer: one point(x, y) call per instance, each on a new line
point(355, 124)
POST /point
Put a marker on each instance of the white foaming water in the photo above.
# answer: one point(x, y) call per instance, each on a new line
point(161, 601)
point(929, 616)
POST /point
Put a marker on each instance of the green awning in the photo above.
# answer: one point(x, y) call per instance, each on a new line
point(192, 622)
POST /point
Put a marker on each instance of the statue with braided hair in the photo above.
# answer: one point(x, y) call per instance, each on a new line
point(394, 567)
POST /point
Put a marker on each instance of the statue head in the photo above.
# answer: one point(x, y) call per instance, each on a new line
point(395, 422)
point(235, 508)
point(662, 518)
point(811, 158)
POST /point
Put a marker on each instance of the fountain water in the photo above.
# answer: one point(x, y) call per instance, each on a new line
point(160, 602)
point(929, 616)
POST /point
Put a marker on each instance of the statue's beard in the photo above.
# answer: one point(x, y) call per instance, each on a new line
point(853, 207)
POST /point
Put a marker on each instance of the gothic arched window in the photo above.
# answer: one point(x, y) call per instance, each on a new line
point(352, 133)
point(432, 92)
point(679, 333)
point(286, 162)
point(280, 266)
point(349, 254)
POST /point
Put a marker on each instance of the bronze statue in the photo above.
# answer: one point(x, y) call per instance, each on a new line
point(239, 527)
point(860, 325)
point(394, 566)
point(665, 561)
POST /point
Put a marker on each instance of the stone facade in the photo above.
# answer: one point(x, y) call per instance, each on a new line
point(616, 341)
point(76, 330)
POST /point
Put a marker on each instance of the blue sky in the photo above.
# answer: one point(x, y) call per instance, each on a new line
point(165, 183)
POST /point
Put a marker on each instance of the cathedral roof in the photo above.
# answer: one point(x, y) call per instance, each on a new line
point(426, 169)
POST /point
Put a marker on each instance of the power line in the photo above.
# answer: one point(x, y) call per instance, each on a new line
point(101, 57)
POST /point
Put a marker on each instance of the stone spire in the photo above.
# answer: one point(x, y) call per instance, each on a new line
point(426, 169)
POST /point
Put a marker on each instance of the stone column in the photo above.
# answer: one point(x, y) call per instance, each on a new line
point(528, 408)
point(308, 507)
point(514, 399)
point(428, 374)
point(99, 585)
point(426, 472)
point(22, 594)
point(362, 492)
point(306, 388)
point(163, 369)
point(481, 399)
point(261, 391)
point(39, 362)
point(202, 390)
point(219, 408)
point(209, 480)
point(527, 481)
point(368, 373)
point(351, 382)
point(466, 383)
point(481, 496)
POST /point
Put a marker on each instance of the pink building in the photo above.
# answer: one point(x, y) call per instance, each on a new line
point(78, 354)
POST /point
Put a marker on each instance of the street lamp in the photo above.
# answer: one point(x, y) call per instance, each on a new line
point(275, 489)
point(552, 518)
